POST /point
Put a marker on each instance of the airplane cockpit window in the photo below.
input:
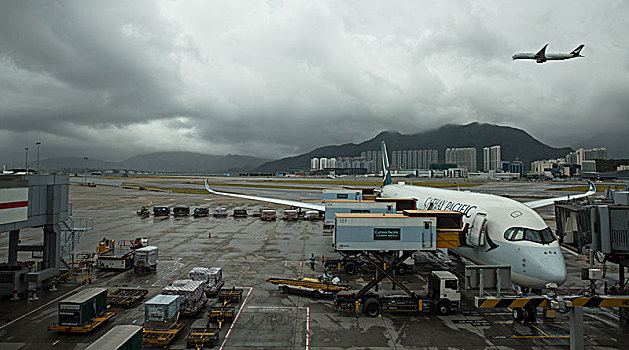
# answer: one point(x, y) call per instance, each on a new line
point(544, 236)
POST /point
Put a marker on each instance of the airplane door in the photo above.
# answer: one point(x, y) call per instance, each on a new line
point(475, 236)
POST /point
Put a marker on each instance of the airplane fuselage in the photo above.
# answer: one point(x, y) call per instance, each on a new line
point(534, 262)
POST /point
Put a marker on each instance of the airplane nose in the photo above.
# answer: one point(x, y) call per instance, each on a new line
point(553, 266)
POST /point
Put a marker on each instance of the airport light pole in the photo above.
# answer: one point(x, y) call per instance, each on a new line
point(37, 144)
point(85, 179)
point(26, 161)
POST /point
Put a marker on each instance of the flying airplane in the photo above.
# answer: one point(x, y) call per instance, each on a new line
point(542, 56)
point(501, 231)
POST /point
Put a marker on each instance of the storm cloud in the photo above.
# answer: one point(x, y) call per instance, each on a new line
point(112, 79)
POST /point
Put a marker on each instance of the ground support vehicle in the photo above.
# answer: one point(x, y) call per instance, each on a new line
point(268, 214)
point(126, 297)
point(230, 296)
point(86, 328)
point(351, 263)
point(315, 287)
point(116, 262)
point(143, 212)
point(145, 259)
point(181, 210)
point(161, 211)
point(240, 213)
point(443, 295)
point(161, 338)
point(121, 337)
point(200, 338)
point(290, 215)
point(220, 213)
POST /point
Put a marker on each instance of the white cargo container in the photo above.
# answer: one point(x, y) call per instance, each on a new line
point(268, 214)
point(145, 259)
point(332, 207)
point(380, 232)
point(311, 215)
point(162, 312)
point(290, 214)
point(342, 194)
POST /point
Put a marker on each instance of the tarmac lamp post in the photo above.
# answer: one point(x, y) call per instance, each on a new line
point(85, 179)
point(37, 144)
point(26, 161)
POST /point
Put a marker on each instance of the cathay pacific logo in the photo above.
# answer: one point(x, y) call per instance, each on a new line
point(492, 244)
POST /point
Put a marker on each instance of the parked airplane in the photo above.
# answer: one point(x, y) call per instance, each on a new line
point(501, 231)
point(542, 56)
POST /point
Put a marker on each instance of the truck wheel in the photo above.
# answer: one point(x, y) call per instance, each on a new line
point(285, 290)
point(401, 270)
point(350, 268)
point(316, 294)
point(443, 308)
point(372, 307)
point(518, 314)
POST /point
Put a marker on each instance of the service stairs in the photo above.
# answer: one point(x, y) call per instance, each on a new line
point(72, 230)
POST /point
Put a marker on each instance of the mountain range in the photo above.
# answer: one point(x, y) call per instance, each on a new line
point(184, 162)
point(516, 144)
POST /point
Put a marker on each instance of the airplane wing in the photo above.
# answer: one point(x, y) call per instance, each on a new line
point(548, 201)
point(312, 206)
point(541, 54)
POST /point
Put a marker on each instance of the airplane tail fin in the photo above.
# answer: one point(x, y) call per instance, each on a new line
point(385, 166)
point(577, 52)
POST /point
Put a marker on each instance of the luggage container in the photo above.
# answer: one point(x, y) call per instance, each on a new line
point(145, 259)
point(83, 312)
point(80, 308)
point(115, 262)
point(332, 207)
point(162, 312)
point(379, 232)
point(193, 297)
point(121, 337)
point(344, 194)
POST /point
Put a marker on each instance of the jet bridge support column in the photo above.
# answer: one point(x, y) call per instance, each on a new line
point(14, 240)
point(576, 328)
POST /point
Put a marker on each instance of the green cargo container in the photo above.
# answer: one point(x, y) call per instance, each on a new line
point(78, 309)
point(123, 337)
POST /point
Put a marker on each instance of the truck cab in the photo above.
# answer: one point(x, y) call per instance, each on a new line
point(443, 291)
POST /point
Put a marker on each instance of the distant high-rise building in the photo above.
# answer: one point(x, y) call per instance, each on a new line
point(314, 163)
point(516, 167)
point(491, 158)
point(463, 157)
point(578, 156)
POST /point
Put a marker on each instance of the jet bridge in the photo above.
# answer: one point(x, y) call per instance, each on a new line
point(30, 201)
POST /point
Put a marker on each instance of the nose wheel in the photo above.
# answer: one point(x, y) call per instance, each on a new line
point(527, 314)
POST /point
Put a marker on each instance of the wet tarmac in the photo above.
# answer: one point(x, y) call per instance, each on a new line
point(250, 251)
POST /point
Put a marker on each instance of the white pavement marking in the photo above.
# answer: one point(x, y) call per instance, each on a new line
point(569, 251)
point(55, 343)
point(277, 308)
point(168, 274)
point(237, 316)
point(41, 307)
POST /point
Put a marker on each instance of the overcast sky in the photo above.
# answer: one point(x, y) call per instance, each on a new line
point(112, 79)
